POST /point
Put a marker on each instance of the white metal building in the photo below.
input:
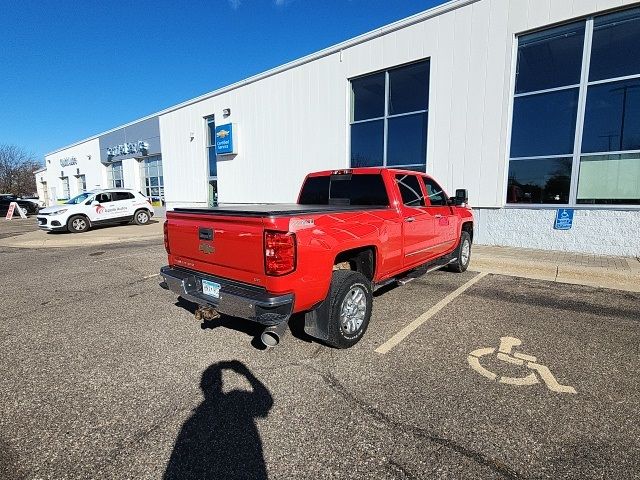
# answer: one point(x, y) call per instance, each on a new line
point(532, 105)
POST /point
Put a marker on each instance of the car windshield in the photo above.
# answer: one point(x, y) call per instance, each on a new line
point(78, 199)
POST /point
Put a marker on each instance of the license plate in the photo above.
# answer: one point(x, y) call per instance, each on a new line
point(211, 288)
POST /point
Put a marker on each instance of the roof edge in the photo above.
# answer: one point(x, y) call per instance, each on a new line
point(378, 32)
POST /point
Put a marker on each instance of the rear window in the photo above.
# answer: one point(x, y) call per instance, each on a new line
point(122, 196)
point(364, 189)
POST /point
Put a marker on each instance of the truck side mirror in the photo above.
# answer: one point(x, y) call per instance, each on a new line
point(462, 196)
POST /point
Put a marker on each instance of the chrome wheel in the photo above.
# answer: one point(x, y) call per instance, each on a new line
point(142, 217)
point(79, 224)
point(353, 310)
point(465, 252)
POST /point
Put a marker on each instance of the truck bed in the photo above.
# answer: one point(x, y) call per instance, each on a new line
point(275, 209)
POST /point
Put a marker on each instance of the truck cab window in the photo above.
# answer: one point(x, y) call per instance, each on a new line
point(360, 189)
point(436, 195)
point(410, 190)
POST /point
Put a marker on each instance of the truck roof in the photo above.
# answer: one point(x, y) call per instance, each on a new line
point(363, 170)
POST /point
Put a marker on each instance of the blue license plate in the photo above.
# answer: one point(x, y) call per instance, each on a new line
point(211, 289)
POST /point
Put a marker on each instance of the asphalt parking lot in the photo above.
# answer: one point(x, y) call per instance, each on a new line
point(106, 375)
point(17, 226)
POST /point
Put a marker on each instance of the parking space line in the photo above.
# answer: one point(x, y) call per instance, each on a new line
point(406, 331)
point(151, 276)
point(137, 254)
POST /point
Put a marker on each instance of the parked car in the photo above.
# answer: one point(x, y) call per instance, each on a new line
point(27, 207)
point(97, 207)
point(351, 232)
point(36, 200)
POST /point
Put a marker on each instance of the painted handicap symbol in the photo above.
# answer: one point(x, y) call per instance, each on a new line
point(540, 372)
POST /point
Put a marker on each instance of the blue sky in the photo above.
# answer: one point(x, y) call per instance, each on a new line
point(73, 69)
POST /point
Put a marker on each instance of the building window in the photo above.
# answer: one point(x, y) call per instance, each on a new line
point(151, 175)
point(211, 147)
point(115, 177)
point(576, 114)
point(82, 183)
point(389, 118)
point(65, 188)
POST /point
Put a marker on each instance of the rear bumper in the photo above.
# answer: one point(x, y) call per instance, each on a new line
point(236, 299)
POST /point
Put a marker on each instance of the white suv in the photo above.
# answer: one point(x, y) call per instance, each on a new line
point(98, 207)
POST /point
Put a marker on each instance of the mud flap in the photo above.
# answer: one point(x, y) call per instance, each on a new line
point(316, 321)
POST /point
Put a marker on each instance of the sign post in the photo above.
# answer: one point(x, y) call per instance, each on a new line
point(564, 219)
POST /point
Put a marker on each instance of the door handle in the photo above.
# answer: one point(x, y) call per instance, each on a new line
point(409, 219)
point(438, 216)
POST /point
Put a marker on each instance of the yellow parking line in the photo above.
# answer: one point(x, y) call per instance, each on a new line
point(406, 331)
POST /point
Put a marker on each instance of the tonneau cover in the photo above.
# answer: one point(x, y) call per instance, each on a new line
point(275, 209)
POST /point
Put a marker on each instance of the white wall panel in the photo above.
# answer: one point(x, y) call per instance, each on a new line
point(584, 7)
point(455, 162)
point(469, 176)
point(561, 9)
point(538, 12)
point(87, 155)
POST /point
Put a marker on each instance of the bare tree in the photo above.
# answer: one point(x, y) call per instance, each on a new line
point(16, 170)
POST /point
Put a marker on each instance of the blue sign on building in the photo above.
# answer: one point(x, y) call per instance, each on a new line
point(564, 219)
point(225, 140)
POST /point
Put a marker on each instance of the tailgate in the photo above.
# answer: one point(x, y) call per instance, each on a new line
point(227, 246)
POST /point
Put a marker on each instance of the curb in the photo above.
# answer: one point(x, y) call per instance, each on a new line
point(628, 280)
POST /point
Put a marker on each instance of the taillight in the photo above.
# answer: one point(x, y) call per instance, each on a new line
point(279, 252)
point(166, 236)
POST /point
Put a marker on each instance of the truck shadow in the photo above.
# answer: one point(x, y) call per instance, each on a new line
point(220, 439)
point(252, 329)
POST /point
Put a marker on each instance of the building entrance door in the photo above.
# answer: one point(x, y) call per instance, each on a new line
point(213, 193)
point(45, 193)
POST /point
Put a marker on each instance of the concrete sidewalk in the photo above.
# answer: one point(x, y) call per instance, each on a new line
point(621, 273)
point(98, 236)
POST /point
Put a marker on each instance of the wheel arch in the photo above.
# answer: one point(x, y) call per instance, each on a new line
point(361, 259)
point(467, 227)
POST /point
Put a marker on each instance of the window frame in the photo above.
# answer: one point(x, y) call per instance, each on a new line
point(577, 153)
point(386, 116)
point(145, 165)
point(210, 145)
point(111, 178)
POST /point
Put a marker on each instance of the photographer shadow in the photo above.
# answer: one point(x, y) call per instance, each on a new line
point(220, 439)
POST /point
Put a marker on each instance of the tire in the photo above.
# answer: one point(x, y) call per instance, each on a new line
point(462, 259)
point(78, 224)
point(346, 286)
point(141, 217)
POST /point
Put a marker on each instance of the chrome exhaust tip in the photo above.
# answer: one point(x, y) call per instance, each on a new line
point(272, 335)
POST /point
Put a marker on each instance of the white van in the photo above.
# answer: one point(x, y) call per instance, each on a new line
point(97, 207)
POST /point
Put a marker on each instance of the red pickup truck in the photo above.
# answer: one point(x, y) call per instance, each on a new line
point(351, 232)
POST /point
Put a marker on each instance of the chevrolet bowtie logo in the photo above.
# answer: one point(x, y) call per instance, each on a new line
point(222, 134)
point(206, 248)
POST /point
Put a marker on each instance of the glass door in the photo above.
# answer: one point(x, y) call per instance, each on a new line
point(212, 162)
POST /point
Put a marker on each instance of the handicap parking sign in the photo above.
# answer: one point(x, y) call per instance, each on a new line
point(564, 219)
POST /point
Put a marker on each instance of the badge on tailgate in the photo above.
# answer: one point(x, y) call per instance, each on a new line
point(206, 246)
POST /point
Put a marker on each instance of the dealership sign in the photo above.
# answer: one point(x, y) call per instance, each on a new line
point(225, 140)
point(139, 147)
point(65, 162)
point(12, 208)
